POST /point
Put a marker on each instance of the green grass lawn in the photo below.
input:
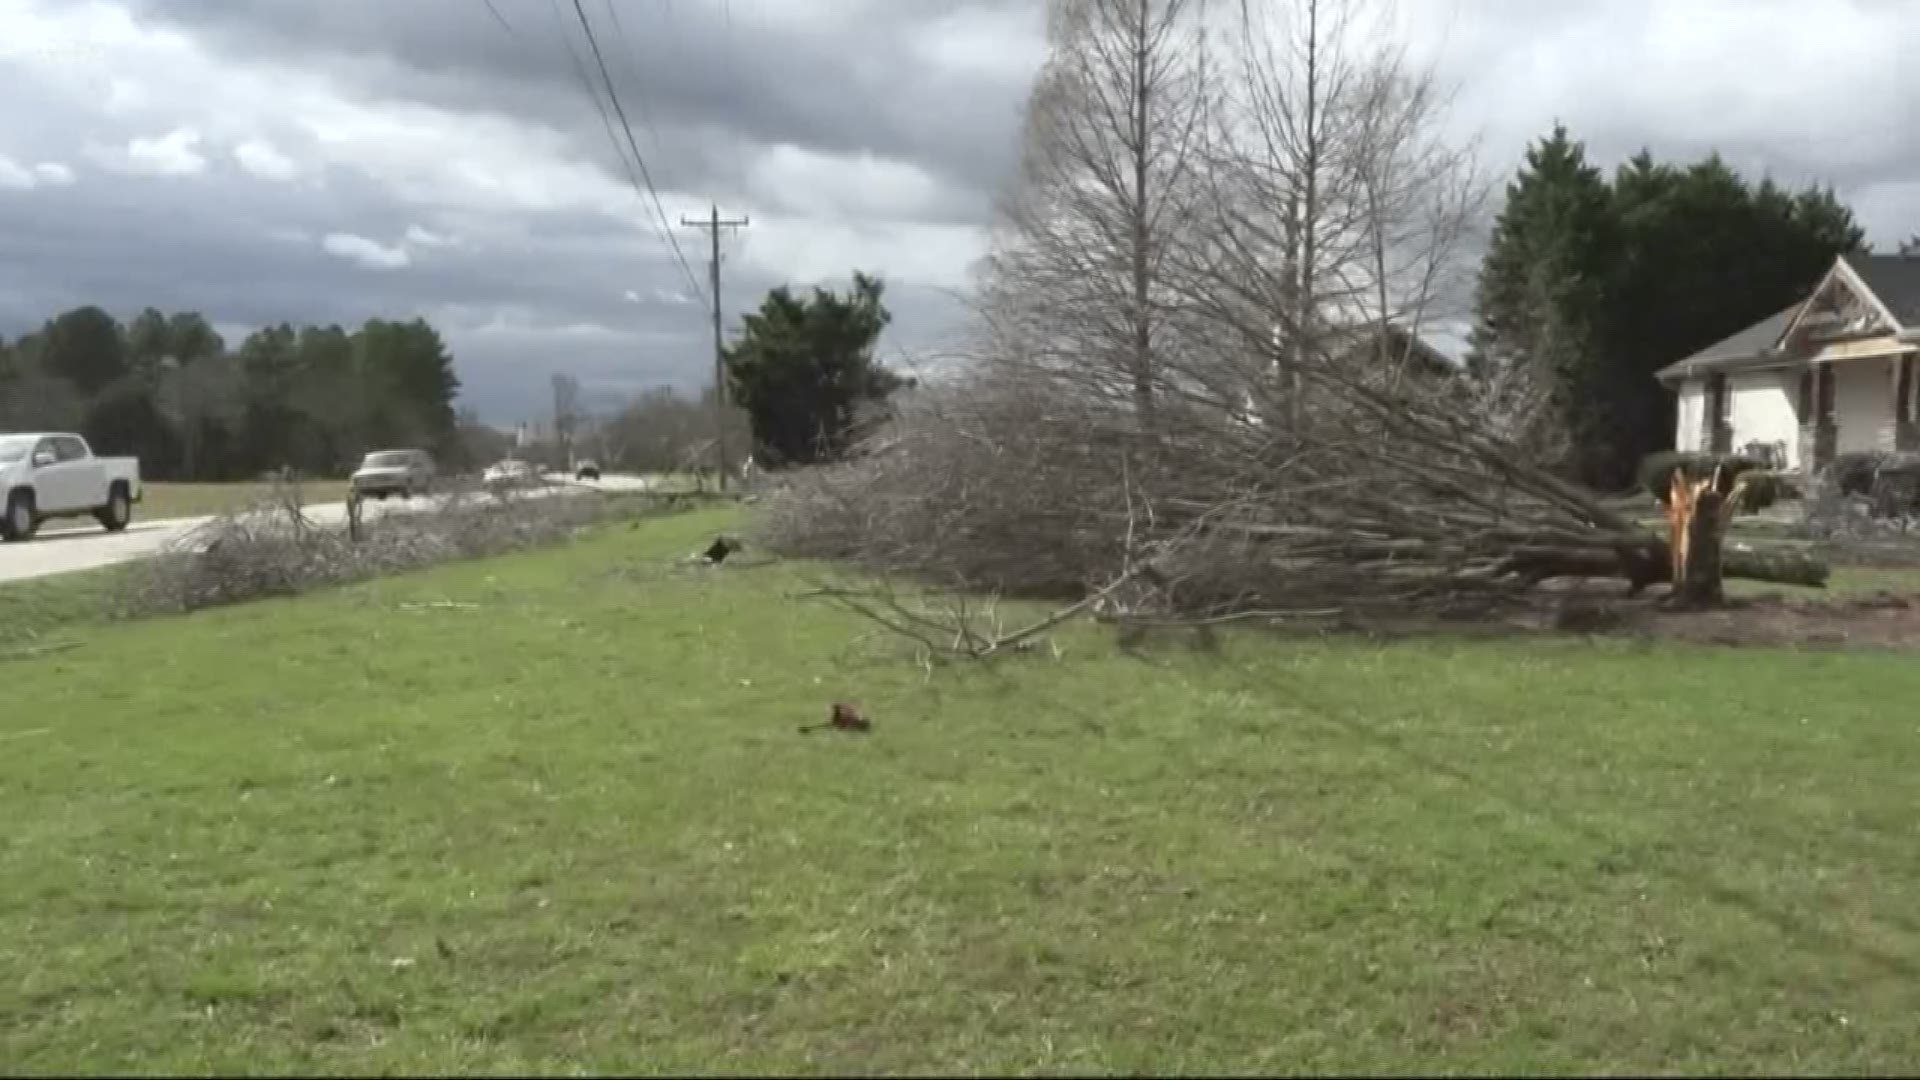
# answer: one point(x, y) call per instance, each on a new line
point(161, 501)
point(573, 828)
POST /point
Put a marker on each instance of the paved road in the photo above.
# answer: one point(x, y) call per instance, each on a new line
point(80, 544)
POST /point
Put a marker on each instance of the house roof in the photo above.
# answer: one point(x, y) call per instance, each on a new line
point(1895, 280)
point(1751, 347)
point(1402, 342)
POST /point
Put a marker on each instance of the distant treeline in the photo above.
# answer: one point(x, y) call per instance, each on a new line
point(168, 389)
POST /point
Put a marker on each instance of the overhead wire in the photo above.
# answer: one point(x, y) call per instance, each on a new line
point(636, 69)
point(653, 193)
point(499, 18)
point(635, 166)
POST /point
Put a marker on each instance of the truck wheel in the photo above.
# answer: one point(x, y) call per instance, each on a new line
point(18, 522)
point(118, 511)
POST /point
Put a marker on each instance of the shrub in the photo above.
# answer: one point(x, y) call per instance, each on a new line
point(1853, 472)
point(273, 550)
point(1764, 488)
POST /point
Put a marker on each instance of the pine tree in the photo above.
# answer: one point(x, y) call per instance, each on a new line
point(1591, 286)
point(1542, 288)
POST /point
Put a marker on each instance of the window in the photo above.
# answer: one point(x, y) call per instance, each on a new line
point(1903, 391)
point(69, 448)
point(1719, 401)
point(1823, 389)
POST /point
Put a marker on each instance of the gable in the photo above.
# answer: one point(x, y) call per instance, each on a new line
point(1841, 306)
point(1894, 281)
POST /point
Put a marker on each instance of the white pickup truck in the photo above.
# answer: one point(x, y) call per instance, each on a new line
point(52, 475)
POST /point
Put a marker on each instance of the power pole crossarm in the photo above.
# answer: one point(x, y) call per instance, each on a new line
point(713, 224)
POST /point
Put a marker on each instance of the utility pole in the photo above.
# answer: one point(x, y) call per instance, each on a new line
point(713, 225)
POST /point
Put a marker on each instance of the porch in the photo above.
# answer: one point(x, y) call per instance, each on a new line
point(1851, 405)
point(1841, 405)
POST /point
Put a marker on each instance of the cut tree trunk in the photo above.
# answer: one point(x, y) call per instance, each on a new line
point(1698, 581)
point(1698, 515)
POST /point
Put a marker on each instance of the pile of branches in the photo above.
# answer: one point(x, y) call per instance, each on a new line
point(274, 548)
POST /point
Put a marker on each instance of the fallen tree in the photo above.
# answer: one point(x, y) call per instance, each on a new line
point(1199, 388)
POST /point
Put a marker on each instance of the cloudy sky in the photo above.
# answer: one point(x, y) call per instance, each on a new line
point(329, 160)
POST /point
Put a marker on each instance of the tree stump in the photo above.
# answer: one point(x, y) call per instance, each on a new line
point(1698, 515)
point(1700, 583)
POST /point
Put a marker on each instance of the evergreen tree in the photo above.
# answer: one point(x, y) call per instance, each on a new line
point(1596, 285)
point(803, 368)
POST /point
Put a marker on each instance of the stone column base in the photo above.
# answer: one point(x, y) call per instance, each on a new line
point(1817, 445)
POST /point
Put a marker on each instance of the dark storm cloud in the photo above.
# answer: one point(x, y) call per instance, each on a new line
point(708, 80)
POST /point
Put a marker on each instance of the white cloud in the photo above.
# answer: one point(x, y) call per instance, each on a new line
point(370, 254)
point(807, 182)
point(263, 160)
point(820, 249)
point(125, 97)
point(1001, 43)
point(17, 177)
point(176, 153)
point(420, 236)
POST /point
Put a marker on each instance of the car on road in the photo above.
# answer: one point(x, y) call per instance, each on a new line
point(587, 470)
point(394, 472)
point(54, 475)
point(510, 473)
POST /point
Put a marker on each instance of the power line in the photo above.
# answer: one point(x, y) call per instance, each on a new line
point(639, 159)
point(635, 68)
point(619, 151)
point(499, 18)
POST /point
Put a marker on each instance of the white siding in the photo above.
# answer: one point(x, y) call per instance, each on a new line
point(1862, 403)
point(1763, 410)
point(1687, 433)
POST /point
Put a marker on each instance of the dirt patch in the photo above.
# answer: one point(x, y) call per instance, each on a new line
point(1884, 621)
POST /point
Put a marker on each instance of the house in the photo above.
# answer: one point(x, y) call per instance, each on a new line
point(1833, 374)
point(1404, 352)
point(1388, 358)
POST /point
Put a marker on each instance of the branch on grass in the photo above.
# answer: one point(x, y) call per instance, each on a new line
point(956, 632)
point(34, 652)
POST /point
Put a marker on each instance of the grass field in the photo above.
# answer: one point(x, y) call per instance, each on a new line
point(161, 501)
point(572, 828)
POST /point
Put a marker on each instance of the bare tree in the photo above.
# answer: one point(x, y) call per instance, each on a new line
point(1087, 233)
point(1340, 205)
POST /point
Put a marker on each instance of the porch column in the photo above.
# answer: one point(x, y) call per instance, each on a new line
point(1818, 434)
point(1903, 433)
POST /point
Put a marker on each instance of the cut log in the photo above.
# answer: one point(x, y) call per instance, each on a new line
point(1647, 566)
point(1781, 567)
